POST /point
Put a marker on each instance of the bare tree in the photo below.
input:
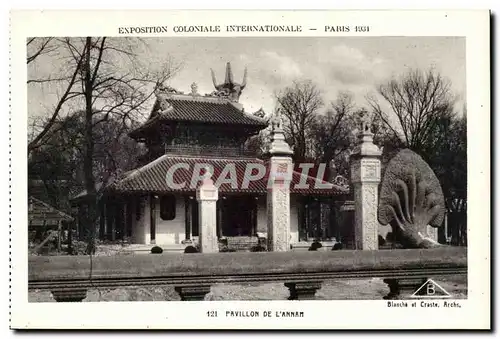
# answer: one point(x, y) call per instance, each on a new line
point(109, 82)
point(420, 115)
point(333, 132)
point(299, 105)
point(121, 82)
point(38, 47)
point(415, 102)
point(57, 165)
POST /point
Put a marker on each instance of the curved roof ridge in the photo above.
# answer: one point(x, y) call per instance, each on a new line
point(133, 173)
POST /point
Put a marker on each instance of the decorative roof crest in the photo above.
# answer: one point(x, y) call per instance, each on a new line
point(165, 89)
point(229, 88)
point(277, 121)
point(194, 89)
point(278, 145)
point(366, 121)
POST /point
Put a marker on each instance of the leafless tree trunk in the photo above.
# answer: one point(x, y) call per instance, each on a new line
point(416, 102)
point(87, 89)
point(299, 105)
point(333, 131)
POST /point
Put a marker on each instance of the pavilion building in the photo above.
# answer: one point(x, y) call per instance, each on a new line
point(209, 129)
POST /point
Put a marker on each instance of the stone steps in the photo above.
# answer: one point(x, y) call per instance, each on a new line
point(241, 243)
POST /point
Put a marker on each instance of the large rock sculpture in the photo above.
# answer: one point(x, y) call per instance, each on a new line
point(411, 198)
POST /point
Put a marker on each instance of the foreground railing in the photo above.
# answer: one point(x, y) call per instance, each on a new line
point(69, 277)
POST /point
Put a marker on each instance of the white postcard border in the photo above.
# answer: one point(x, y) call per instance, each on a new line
point(474, 313)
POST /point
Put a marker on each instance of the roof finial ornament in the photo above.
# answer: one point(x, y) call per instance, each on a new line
point(366, 121)
point(229, 88)
point(194, 89)
point(277, 121)
point(278, 145)
point(229, 74)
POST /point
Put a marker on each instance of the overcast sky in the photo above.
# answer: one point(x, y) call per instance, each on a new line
point(334, 64)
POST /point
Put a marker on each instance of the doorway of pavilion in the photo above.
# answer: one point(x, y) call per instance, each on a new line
point(237, 216)
point(317, 219)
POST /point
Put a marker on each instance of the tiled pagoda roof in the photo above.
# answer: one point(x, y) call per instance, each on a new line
point(151, 178)
point(200, 109)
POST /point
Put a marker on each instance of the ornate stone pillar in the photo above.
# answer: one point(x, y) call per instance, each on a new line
point(365, 177)
point(278, 190)
point(207, 195)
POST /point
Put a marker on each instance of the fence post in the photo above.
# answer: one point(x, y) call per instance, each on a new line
point(193, 293)
point(303, 290)
point(69, 295)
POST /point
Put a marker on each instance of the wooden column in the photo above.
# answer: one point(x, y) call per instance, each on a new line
point(70, 237)
point(113, 217)
point(220, 220)
point(188, 206)
point(109, 220)
point(125, 219)
point(306, 218)
point(130, 216)
point(59, 235)
point(102, 219)
point(152, 218)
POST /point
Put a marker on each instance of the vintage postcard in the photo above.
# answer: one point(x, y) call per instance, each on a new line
point(250, 169)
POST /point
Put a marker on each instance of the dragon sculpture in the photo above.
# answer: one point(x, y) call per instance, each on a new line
point(411, 200)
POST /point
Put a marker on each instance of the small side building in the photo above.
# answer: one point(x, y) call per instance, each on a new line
point(45, 223)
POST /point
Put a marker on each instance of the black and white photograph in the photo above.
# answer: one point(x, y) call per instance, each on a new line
point(173, 168)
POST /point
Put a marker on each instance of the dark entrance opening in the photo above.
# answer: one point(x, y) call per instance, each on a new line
point(238, 216)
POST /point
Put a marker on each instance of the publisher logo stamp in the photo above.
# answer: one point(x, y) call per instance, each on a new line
point(431, 289)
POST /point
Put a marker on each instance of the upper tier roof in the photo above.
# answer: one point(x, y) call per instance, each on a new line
point(199, 109)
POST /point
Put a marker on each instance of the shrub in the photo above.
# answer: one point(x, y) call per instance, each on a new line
point(191, 249)
point(315, 245)
point(258, 248)
point(337, 246)
point(156, 250)
point(79, 248)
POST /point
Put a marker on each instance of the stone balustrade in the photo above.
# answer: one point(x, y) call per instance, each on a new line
point(69, 277)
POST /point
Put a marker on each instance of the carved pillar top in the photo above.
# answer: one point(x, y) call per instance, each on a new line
point(278, 145)
point(207, 190)
point(365, 146)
